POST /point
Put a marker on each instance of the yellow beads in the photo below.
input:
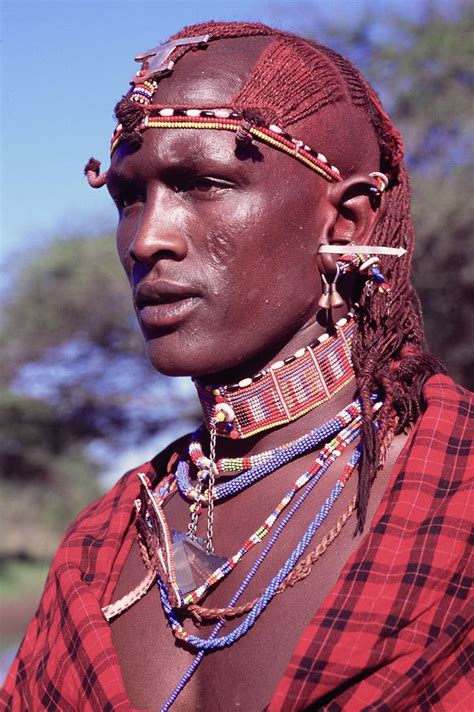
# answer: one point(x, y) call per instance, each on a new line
point(231, 125)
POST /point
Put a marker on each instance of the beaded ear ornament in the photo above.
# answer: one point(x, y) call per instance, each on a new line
point(362, 258)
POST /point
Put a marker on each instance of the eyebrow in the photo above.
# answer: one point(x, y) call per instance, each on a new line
point(239, 166)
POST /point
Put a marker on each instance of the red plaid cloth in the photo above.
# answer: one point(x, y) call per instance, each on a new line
point(394, 634)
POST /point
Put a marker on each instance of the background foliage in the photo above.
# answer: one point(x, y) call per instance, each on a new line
point(75, 388)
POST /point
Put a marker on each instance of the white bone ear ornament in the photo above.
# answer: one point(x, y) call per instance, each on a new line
point(361, 249)
point(382, 182)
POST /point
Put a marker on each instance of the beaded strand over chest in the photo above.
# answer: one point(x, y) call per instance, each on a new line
point(329, 453)
point(214, 643)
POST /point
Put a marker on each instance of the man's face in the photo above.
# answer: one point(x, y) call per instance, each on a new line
point(220, 250)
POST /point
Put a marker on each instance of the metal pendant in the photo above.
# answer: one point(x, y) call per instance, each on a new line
point(192, 563)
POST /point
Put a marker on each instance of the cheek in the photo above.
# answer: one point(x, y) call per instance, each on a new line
point(261, 260)
point(122, 242)
point(230, 227)
point(226, 246)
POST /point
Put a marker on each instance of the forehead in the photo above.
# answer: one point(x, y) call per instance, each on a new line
point(213, 77)
point(214, 74)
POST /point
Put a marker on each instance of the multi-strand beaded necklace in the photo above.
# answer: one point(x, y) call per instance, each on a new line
point(325, 458)
point(182, 563)
point(183, 586)
point(265, 464)
point(214, 641)
point(270, 591)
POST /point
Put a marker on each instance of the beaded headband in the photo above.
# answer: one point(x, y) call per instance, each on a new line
point(246, 124)
point(228, 120)
point(156, 63)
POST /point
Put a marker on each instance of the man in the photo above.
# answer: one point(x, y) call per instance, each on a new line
point(264, 226)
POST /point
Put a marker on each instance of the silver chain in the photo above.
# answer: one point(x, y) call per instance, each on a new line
point(210, 488)
point(192, 528)
point(368, 288)
point(193, 524)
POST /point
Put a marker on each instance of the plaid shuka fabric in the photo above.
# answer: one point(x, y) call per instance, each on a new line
point(394, 634)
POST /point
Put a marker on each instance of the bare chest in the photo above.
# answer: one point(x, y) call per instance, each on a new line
point(245, 674)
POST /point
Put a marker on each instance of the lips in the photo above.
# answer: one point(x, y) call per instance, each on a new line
point(162, 304)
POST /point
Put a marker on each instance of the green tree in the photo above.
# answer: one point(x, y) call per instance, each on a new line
point(70, 337)
point(73, 374)
point(74, 290)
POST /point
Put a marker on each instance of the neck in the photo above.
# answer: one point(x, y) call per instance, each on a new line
point(283, 393)
point(281, 347)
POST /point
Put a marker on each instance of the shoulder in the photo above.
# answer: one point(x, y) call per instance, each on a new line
point(81, 579)
point(107, 520)
point(442, 394)
point(432, 480)
point(443, 438)
point(429, 494)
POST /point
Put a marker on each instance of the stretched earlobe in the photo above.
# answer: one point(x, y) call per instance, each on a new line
point(93, 175)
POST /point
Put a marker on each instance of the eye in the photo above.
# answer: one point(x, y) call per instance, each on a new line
point(201, 185)
point(205, 185)
point(128, 200)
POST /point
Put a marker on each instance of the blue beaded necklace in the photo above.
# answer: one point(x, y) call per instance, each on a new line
point(330, 452)
point(214, 642)
point(280, 457)
point(288, 566)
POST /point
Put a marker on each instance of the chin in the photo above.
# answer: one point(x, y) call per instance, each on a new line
point(171, 359)
point(167, 364)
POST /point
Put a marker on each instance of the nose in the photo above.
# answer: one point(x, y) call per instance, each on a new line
point(160, 232)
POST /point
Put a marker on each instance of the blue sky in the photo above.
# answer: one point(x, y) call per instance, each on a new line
point(65, 65)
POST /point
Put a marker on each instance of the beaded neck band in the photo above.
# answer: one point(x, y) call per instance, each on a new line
point(286, 390)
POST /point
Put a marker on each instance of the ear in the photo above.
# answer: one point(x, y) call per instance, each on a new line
point(356, 205)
